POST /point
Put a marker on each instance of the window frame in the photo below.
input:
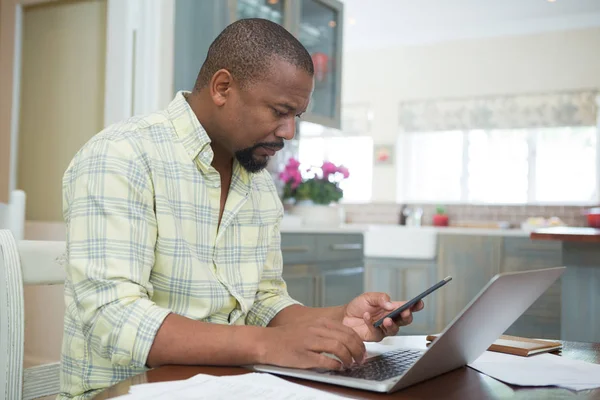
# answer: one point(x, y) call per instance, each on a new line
point(402, 165)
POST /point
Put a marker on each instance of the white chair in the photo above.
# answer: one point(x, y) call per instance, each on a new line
point(26, 263)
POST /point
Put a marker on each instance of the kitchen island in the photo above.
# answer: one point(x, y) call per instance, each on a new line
point(580, 306)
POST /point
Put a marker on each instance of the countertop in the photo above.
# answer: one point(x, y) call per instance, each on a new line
point(361, 228)
point(568, 234)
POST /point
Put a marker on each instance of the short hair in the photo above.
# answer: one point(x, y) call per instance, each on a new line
point(246, 49)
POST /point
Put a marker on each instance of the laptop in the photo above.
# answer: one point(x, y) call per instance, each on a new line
point(482, 321)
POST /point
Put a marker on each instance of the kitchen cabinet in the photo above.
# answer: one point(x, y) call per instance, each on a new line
point(302, 283)
point(318, 25)
point(471, 260)
point(403, 279)
point(323, 270)
point(543, 318)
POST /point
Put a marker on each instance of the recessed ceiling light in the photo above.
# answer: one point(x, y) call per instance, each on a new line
point(551, 1)
point(351, 21)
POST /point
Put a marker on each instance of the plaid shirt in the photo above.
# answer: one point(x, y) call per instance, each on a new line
point(141, 203)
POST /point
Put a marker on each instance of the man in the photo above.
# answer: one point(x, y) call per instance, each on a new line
point(173, 231)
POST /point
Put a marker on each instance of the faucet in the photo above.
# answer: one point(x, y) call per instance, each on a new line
point(413, 217)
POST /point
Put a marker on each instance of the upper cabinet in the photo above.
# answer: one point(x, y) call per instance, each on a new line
point(318, 24)
point(319, 29)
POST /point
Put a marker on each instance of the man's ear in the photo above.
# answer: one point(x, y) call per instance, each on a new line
point(220, 86)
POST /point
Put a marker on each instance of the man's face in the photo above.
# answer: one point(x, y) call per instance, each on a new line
point(259, 117)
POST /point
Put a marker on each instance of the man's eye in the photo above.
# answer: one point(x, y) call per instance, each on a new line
point(279, 113)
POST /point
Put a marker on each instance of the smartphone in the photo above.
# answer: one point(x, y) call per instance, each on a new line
point(396, 313)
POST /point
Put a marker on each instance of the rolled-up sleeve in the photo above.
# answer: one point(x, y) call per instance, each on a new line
point(111, 235)
point(271, 296)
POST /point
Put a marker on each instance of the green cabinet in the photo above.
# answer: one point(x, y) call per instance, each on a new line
point(403, 279)
point(472, 260)
point(323, 270)
point(543, 318)
point(318, 25)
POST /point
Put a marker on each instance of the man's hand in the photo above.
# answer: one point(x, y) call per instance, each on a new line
point(364, 310)
point(301, 345)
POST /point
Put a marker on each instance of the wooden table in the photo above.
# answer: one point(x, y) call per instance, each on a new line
point(463, 383)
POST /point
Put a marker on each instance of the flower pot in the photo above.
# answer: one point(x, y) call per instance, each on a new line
point(319, 214)
point(440, 220)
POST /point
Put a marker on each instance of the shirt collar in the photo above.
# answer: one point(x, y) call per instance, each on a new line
point(188, 129)
point(194, 138)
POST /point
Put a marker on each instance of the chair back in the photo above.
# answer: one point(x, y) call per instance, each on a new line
point(27, 262)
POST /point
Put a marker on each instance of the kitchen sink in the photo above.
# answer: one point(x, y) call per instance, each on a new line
point(395, 241)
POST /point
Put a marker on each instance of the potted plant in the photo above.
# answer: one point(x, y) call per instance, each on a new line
point(314, 191)
point(440, 217)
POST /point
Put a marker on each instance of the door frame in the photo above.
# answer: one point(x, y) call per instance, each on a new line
point(11, 16)
point(139, 68)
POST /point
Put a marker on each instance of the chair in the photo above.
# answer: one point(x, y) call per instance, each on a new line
point(25, 263)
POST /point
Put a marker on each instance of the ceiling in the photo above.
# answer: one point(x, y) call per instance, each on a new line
point(388, 23)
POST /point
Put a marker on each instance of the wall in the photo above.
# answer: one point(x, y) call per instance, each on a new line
point(509, 65)
point(62, 96)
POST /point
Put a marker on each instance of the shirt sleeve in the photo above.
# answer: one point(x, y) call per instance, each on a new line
point(111, 235)
point(271, 296)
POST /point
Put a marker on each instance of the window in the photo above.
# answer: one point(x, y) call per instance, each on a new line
point(355, 153)
point(517, 166)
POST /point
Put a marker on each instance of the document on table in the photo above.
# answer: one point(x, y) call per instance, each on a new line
point(539, 370)
point(247, 386)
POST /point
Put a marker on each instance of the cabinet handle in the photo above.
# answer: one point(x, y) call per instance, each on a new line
point(346, 246)
point(295, 249)
point(344, 271)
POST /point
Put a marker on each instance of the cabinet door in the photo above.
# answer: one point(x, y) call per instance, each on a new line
point(265, 9)
point(319, 29)
point(412, 280)
point(402, 280)
point(471, 261)
point(341, 284)
point(197, 24)
point(301, 284)
point(543, 318)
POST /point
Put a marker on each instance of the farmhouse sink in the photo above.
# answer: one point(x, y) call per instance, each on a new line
point(395, 241)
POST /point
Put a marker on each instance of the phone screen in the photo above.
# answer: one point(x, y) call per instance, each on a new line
point(396, 313)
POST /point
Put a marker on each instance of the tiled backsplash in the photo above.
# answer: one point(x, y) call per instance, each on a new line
point(388, 213)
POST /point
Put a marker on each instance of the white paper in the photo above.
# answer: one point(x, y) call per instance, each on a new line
point(247, 386)
point(539, 370)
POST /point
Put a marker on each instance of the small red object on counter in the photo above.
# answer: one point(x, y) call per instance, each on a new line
point(593, 217)
point(440, 220)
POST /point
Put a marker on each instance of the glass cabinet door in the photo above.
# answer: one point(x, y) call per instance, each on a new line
point(320, 31)
point(266, 9)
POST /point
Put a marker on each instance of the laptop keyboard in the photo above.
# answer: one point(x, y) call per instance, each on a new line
point(382, 367)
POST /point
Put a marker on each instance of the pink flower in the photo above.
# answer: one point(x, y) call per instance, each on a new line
point(344, 171)
point(292, 177)
point(296, 179)
point(328, 168)
point(292, 164)
point(284, 176)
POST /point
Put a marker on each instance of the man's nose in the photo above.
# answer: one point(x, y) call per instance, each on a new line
point(288, 129)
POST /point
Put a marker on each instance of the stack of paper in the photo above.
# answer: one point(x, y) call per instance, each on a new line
point(247, 386)
point(539, 370)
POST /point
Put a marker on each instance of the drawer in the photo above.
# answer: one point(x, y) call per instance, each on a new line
point(525, 247)
point(340, 247)
point(298, 248)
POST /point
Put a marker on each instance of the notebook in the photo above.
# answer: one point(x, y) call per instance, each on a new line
point(519, 346)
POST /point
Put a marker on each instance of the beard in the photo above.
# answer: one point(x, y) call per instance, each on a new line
point(252, 163)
